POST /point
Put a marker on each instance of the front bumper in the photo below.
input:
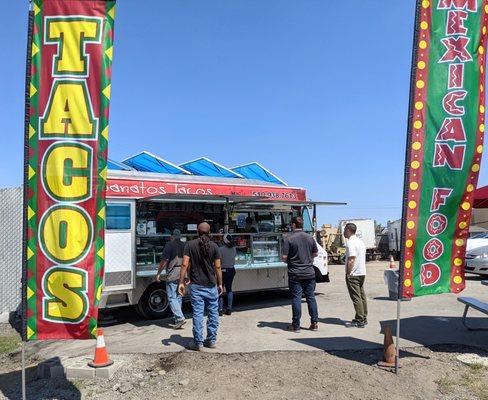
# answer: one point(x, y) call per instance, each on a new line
point(477, 266)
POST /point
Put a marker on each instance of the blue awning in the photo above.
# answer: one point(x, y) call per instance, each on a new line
point(147, 162)
point(257, 171)
point(206, 167)
point(114, 165)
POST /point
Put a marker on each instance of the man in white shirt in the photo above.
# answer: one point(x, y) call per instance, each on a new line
point(356, 274)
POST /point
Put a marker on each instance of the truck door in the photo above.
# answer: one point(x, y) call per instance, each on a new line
point(119, 245)
point(321, 261)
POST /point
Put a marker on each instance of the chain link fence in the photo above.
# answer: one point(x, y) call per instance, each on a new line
point(10, 249)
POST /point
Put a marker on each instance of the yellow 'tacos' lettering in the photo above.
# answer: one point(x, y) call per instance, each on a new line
point(71, 34)
point(69, 112)
point(65, 234)
point(67, 171)
point(65, 291)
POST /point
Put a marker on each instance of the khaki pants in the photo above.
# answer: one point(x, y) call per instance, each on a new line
point(355, 286)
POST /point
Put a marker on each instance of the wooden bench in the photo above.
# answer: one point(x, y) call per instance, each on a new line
point(477, 305)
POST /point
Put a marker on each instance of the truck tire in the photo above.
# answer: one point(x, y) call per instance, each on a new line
point(154, 302)
point(140, 311)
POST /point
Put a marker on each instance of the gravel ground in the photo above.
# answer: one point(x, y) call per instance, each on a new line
point(426, 373)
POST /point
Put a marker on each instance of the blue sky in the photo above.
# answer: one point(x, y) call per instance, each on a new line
point(315, 90)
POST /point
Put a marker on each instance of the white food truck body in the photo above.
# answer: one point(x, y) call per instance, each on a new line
point(143, 208)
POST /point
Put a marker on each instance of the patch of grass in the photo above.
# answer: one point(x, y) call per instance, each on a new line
point(445, 385)
point(78, 384)
point(477, 367)
point(9, 344)
point(476, 381)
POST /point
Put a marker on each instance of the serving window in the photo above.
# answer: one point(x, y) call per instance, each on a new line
point(257, 231)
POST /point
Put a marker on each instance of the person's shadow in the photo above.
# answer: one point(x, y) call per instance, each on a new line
point(176, 339)
point(273, 325)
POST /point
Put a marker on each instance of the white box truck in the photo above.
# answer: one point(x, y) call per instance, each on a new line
point(366, 231)
point(394, 237)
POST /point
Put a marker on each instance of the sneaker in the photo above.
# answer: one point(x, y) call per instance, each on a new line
point(221, 312)
point(314, 326)
point(178, 325)
point(293, 328)
point(355, 324)
point(210, 345)
point(194, 346)
point(228, 312)
point(355, 321)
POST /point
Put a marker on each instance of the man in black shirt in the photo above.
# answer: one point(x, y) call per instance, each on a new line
point(299, 250)
point(202, 257)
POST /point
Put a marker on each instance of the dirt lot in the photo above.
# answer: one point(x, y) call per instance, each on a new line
point(257, 359)
point(427, 373)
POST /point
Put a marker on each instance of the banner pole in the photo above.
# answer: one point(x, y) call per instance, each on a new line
point(397, 357)
point(24, 391)
point(413, 73)
point(28, 66)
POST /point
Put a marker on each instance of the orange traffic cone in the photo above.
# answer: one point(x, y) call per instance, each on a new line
point(389, 351)
point(101, 356)
point(392, 263)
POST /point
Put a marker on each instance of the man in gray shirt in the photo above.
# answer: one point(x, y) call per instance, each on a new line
point(299, 250)
point(171, 260)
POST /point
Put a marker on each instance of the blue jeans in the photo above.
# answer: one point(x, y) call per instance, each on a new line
point(228, 277)
point(201, 298)
point(297, 287)
point(174, 300)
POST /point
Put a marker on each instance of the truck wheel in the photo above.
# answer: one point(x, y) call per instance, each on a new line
point(140, 311)
point(154, 302)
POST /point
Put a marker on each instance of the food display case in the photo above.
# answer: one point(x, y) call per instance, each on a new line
point(254, 251)
point(149, 251)
point(266, 250)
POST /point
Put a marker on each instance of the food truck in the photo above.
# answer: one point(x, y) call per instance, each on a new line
point(148, 197)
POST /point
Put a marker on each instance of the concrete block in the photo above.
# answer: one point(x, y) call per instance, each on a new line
point(51, 368)
point(57, 371)
point(108, 372)
point(79, 369)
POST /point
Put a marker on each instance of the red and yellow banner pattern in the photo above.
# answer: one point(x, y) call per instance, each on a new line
point(445, 143)
point(67, 117)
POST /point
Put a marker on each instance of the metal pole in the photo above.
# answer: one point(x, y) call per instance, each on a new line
point(24, 194)
point(226, 215)
point(397, 357)
point(24, 390)
point(407, 177)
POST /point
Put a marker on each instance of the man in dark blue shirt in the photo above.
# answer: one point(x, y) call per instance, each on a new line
point(299, 250)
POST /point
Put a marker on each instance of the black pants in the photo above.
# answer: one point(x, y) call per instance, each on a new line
point(228, 275)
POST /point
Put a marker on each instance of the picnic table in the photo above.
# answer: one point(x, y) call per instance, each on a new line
point(477, 305)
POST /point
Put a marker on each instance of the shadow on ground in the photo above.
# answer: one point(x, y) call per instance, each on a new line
point(351, 348)
point(48, 389)
point(242, 302)
point(176, 339)
point(476, 278)
point(435, 330)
